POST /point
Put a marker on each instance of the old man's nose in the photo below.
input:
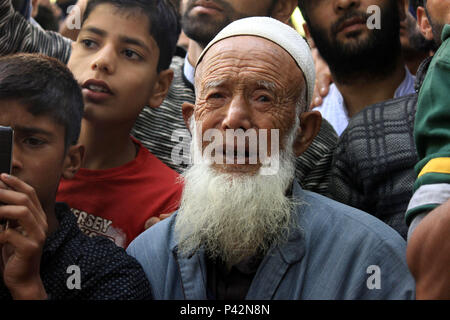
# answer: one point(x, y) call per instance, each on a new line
point(238, 115)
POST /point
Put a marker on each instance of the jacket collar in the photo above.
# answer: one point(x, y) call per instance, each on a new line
point(421, 73)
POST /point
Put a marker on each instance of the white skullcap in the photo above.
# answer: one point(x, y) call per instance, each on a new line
point(281, 34)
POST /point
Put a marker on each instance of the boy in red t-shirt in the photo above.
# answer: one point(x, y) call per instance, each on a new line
point(121, 184)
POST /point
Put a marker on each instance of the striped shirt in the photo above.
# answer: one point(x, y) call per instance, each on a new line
point(19, 35)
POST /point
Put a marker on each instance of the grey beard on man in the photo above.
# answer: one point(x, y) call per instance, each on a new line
point(231, 216)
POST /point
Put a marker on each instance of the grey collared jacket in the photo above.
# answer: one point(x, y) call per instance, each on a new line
point(338, 252)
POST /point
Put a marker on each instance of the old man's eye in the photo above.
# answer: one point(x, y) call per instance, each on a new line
point(263, 98)
point(216, 95)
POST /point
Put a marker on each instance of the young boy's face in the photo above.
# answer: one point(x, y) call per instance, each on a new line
point(115, 61)
point(39, 157)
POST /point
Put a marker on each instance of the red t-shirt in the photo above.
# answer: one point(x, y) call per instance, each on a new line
point(117, 202)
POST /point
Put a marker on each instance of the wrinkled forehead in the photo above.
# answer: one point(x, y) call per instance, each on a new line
point(251, 53)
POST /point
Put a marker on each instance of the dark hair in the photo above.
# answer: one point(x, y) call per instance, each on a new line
point(44, 86)
point(46, 18)
point(417, 3)
point(303, 5)
point(163, 18)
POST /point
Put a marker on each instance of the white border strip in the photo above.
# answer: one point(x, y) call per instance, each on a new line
point(430, 194)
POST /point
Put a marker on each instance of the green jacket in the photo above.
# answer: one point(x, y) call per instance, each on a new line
point(432, 134)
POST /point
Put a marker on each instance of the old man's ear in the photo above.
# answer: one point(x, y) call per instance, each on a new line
point(187, 110)
point(310, 123)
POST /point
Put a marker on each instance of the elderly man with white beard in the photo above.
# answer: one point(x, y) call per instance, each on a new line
point(246, 230)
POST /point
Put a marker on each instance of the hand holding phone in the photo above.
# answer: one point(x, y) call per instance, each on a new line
point(22, 244)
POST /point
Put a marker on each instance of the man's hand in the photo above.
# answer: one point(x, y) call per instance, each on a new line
point(323, 79)
point(21, 244)
point(428, 254)
point(154, 220)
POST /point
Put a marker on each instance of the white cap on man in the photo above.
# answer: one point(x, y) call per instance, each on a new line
point(281, 34)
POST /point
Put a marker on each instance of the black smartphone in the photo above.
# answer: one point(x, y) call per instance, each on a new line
point(6, 146)
point(6, 149)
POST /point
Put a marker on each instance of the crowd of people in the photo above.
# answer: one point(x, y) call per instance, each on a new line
point(204, 149)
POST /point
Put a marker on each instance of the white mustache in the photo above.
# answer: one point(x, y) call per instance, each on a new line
point(238, 146)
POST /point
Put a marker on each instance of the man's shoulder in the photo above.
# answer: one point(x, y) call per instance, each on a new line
point(400, 108)
point(441, 57)
point(445, 33)
point(380, 137)
point(325, 217)
point(389, 120)
point(88, 251)
point(351, 243)
point(107, 271)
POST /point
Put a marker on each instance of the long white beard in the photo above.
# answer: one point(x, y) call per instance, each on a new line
point(232, 216)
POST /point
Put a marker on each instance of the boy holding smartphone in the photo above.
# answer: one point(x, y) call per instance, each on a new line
point(44, 255)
